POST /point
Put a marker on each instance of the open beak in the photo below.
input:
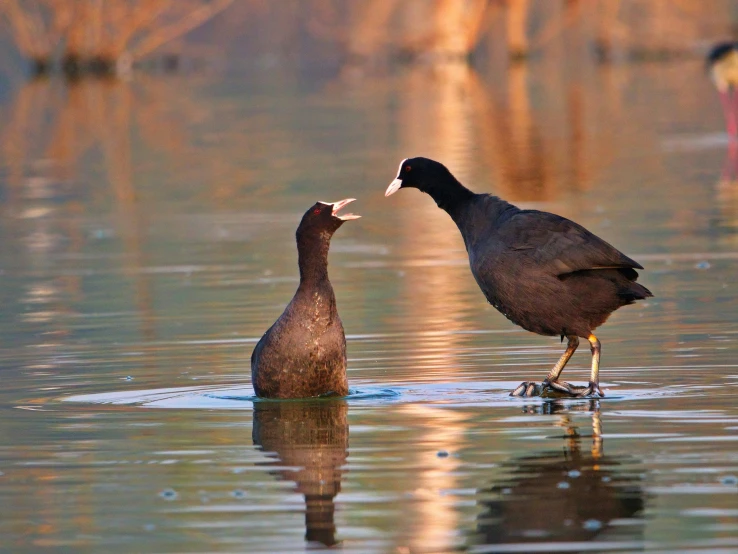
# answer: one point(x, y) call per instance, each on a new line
point(340, 204)
point(394, 187)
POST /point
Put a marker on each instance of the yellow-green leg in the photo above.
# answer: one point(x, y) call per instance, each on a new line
point(593, 388)
point(552, 379)
point(529, 388)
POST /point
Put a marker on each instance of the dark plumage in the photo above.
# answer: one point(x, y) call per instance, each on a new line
point(542, 271)
point(304, 353)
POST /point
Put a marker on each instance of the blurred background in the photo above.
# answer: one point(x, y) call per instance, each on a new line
point(155, 159)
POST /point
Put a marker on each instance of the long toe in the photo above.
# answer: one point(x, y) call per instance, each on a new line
point(558, 386)
point(527, 389)
point(591, 390)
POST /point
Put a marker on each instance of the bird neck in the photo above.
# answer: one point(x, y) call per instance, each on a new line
point(312, 259)
point(450, 195)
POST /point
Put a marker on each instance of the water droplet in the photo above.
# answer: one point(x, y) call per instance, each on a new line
point(535, 533)
point(592, 524)
point(574, 473)
point(102, 233)
point(703, 265)
point(169, 494)
point(563, 485)
point(727, 480)
point(442, 454)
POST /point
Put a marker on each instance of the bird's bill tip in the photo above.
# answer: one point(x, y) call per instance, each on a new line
point(340, 204)
point(394, 187)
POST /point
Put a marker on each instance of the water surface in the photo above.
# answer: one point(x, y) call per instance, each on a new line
point(147, 236)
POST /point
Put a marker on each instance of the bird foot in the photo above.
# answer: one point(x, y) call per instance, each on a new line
point(527, 389)
point(557, 389)
point(592, 389)
point(559, 386)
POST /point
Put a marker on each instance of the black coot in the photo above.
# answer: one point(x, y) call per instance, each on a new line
point(304, 353)
point(540, 270)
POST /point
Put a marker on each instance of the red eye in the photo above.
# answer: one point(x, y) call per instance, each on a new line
point(408, 168)
point(316, 211)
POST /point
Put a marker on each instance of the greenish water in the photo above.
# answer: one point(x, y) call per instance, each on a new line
point(147, 240)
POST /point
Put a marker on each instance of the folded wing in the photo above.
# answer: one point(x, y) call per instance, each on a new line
point(560, 246)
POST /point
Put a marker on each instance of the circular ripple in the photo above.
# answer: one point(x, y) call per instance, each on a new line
point(364, 393)
point(453, 394)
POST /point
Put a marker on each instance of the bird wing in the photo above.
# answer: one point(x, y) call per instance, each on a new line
point(559, 245)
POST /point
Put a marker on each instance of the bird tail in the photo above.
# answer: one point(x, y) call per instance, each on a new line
point(634, 291)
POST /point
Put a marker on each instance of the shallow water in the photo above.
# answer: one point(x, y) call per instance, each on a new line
point(147, 242)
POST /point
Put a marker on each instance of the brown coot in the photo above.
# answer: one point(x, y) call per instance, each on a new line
point(304, 353)
point(543, 272)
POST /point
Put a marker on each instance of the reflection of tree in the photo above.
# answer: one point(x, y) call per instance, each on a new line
point(513, 154)
point(311, 436)
point(533, 160)
point(95, 36)
point(372, 30)
point(429, 233)
point(438, 30)
point(434, 519)
point(50, 131)
point(60, 123)
point(568, 495)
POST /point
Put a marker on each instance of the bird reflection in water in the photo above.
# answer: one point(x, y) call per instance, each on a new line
point(727, 189)
point(564, 496)
point(311, 436)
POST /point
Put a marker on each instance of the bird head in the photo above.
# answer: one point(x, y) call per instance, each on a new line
point(421, 173)
point(323, 218)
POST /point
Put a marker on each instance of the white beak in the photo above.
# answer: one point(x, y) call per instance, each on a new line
point(340, 204)
point(394, 187)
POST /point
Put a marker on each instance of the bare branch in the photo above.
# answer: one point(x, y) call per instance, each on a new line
point(175, 30)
